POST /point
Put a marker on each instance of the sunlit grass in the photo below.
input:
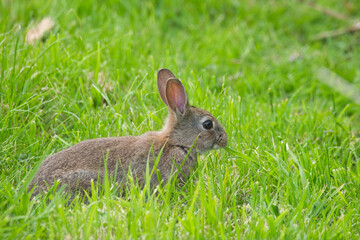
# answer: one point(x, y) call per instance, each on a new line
point(291, 169)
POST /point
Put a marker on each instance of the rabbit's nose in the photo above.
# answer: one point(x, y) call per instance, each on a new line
point(222, 140)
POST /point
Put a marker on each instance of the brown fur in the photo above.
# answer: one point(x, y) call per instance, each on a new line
point(76, 166)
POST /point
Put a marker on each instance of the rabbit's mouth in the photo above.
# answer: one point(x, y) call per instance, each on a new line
point(220, 142)
point(215, 146)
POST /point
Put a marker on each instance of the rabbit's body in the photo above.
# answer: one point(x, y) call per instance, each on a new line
point(85, 161)
point(76, 166)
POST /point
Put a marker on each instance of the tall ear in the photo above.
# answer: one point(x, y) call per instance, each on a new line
point(162, 77)
point(176, 96)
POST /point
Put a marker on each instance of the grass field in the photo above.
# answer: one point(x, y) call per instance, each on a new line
point(292, 170)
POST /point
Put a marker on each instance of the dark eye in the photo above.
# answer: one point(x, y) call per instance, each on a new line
point(208, 124)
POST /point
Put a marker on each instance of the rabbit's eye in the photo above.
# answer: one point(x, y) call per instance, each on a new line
point(208, 124)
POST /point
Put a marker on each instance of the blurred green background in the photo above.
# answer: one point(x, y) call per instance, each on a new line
point(292, 170)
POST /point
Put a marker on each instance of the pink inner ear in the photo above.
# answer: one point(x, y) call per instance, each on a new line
point(161, 88)
point(162, 77)
point(176, 95)
point(180, 101)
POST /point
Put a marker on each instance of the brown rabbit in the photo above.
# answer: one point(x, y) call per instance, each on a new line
point(186, 126)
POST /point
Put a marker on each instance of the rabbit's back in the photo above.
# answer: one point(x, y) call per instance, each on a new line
point(86, 161)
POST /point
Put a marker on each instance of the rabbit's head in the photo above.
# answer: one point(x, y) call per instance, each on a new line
point(186, 123)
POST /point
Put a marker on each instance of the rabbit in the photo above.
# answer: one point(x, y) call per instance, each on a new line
point(185, 126)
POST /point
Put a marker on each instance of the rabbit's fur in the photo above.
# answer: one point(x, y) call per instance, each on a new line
point(76, 166)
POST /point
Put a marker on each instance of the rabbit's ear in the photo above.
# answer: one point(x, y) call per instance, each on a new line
point(162, 77)
point(176, 96)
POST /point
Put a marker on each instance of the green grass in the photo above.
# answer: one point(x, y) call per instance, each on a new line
point(293, 167)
